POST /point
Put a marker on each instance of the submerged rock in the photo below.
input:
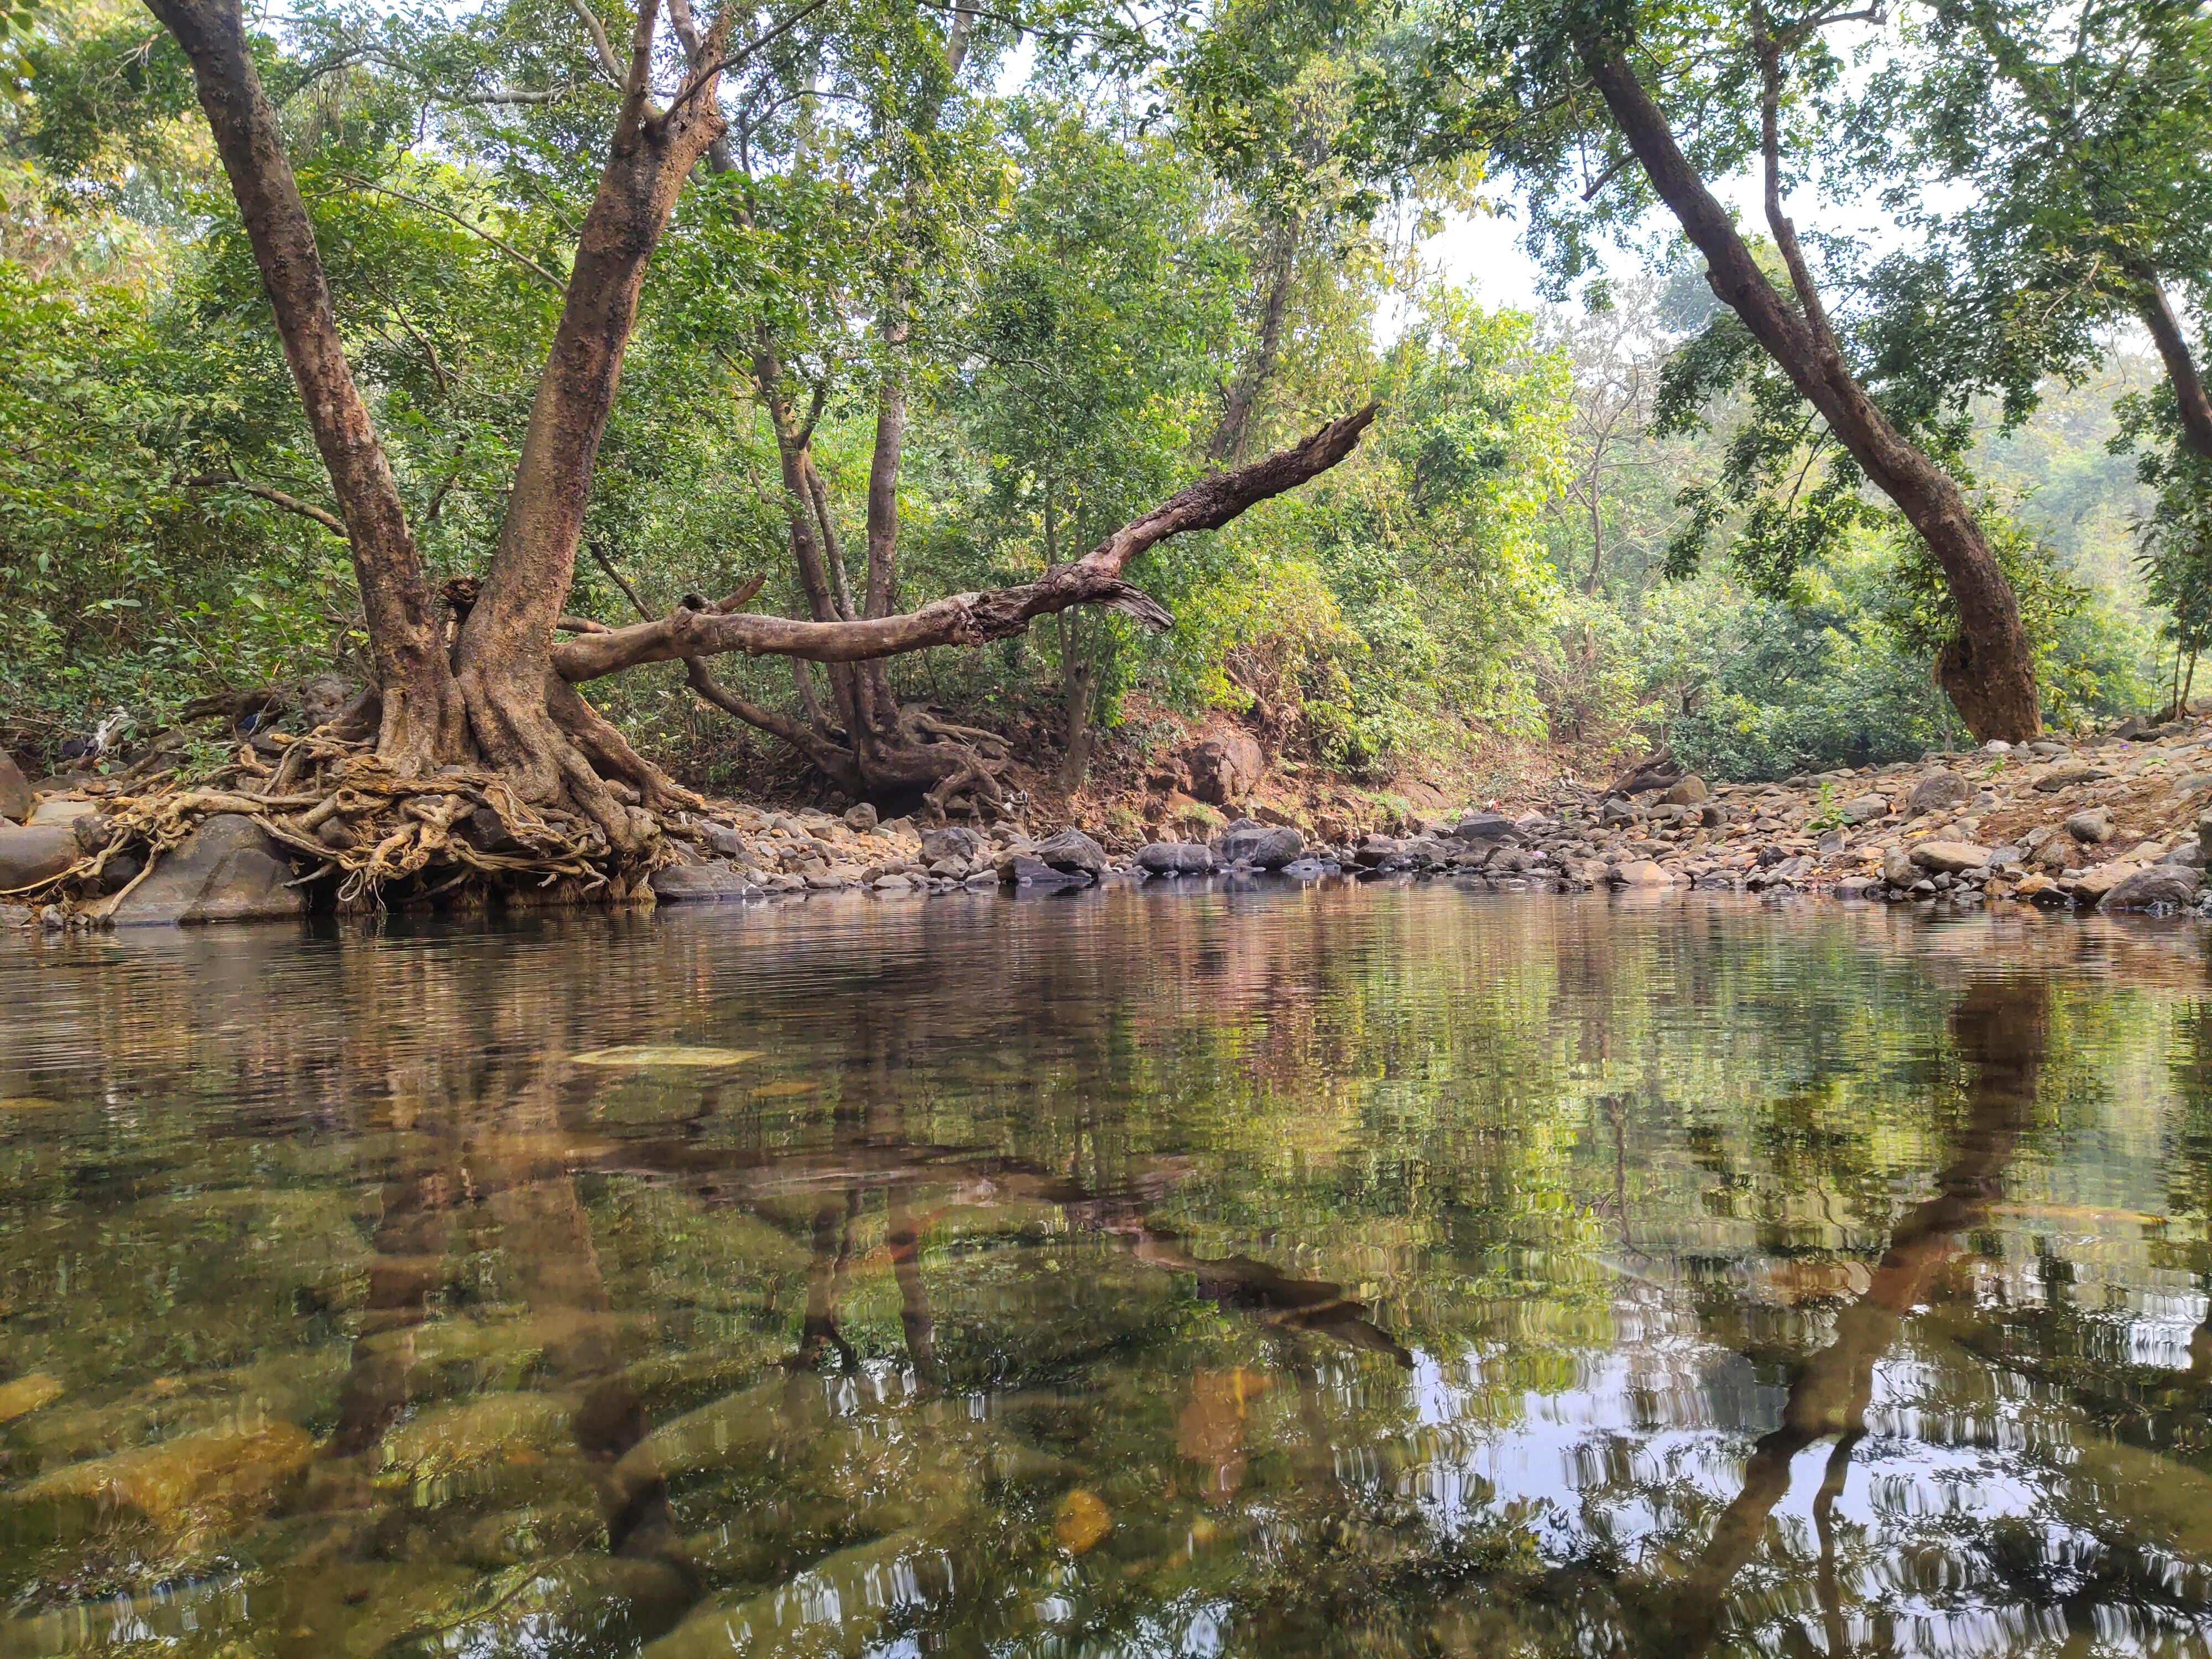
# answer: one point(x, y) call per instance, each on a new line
point(196, 1485)
point(226, 871)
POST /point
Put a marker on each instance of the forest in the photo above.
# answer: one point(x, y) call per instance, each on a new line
point(905, 401)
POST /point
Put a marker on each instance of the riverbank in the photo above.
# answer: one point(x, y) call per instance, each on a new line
point(2110, 821)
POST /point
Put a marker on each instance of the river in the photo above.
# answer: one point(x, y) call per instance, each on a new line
point(1336, 1271)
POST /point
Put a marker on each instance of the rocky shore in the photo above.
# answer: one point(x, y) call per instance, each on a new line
point(2113, 821)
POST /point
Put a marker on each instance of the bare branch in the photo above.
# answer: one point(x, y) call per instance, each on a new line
point(602, 48)
point(274, 497)
point(976, 618)
point(478, 231)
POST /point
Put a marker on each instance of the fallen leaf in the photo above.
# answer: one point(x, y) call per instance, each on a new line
point(1082, 1521)
point(664, 1056)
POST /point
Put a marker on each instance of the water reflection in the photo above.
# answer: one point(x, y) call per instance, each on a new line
point(1328, 1272)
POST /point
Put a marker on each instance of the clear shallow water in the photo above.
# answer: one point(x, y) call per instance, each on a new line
point(1393, 1272)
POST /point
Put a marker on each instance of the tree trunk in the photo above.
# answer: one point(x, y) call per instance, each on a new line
point(423, 721)
point(1078, 680)
point(1987, 671)
point(2189, 396)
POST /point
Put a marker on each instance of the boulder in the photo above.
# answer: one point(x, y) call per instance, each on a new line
point(1176, 858)
point(1223, 769)
point(1263, 845)
point(225, 871)
point(1022, 870)
point(2091, 827)
point(862, 817)
point(1863, 809)
point(30, 854)
point(1690, 792)
point(1378, 851)
point(726, 840)
point(1936, 790)
point(1950, 857)
point(1616, 813)
point(1897, 869)
point(698, 883)
point(1854, 887)
point(1071, 851)
point(1641, 872)
point(1487, 826)
point(954, 840)
point(2092, 883)
point(2161, 887)
point(17, 799)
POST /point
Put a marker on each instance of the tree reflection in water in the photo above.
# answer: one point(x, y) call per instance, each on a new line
point(1324, 1272)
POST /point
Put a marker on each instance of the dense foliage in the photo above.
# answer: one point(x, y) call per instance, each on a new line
point(1101, 261)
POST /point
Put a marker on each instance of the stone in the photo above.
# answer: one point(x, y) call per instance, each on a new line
point(17, 799)
point(892, 883)
point(1863, 809)
point(1996, 746)
point(954, 840)
point(1641, 872)
point(1487, 826)
point(1690, 792)
point(1072, 850)
point(1616, 813)
point(1939, 789)
point(1854, 887)
point(1712, 815)
point(2092, 883)
point(2160, 887)
point(729, 842)
point(2031, 886)
point(1176, 858)
point(199, 1485)
point(30, 854)
point(2091, 827)
point(834, 879)
point(1949, 857)
point(862, 817)
point(225, 871)
point(2190, 855)
point(698, 883)
point(1263, 845)
point(1021, 870)
point(1378, 851)
point(2066, 776)
point(1897, 869)
point(1224, 768)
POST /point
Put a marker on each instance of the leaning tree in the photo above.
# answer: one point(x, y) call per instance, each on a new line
point(1609, 112)
point(474, 679)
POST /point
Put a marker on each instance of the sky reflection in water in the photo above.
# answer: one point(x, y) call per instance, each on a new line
point(1344, 1270)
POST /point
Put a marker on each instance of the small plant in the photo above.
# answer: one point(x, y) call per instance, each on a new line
point(1827, 811)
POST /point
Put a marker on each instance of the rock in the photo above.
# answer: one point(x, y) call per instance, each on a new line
point(835, 879)
point(17, 799)
point(1487, 826)
point(1939, 789)
point(2092, 883)
point(1641, 872)
point(194, 1487)
point(2090, 827)
point(862, 817)
point(1176, 858)
point(1021, 870)
point(2030, 886)
point(1863, 809)
point(1996, 746)
point(1378, 851)
point(2160, 887)
point(1263, 845)
point(1616, 813)
point(1712, 815)
point(2066, 776)
point(225, 871)
point(1072, 850)
point(1897, 869)
point(2188, 855)
point(30, 854)
point(1854, 887)
point(729, 842)
point(1949, 857)
point(955, 840)
point(698, 883)
point(952, 869)
point(892, 883)
point(1690, 792)
point(1224, 768)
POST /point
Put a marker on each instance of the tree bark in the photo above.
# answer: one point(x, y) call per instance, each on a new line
point(2189, 395)
point(1234, 431)
point(1988, 670)
point(1078, 682)
point(422, 723)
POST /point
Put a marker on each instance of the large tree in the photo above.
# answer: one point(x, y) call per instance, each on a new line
point(493, 690)
point(1609, 111)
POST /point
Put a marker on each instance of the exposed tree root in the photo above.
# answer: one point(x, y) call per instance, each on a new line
point(369, 830)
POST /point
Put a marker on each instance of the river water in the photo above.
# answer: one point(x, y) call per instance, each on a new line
point(1359, 1271)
